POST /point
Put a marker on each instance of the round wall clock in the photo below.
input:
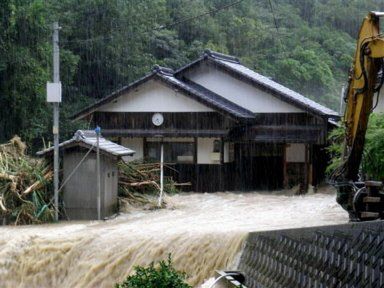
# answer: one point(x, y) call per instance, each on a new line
point(157, 119)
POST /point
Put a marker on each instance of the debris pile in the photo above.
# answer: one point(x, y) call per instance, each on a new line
point(139, 183)
point(25, 183)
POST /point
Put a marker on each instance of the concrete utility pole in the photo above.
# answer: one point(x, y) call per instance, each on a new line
point(56, 79)
point(161, 173)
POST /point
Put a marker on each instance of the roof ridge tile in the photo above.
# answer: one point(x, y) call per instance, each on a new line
point(221, 56)
point(162, 70)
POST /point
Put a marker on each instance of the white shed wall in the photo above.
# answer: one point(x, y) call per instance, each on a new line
point(295, 153)
point(154, 96)
point(136, 144)
point(239, 92)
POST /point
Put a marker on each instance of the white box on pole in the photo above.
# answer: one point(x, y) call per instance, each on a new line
point(53, 92)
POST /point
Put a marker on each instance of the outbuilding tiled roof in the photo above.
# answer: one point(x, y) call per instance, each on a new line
point(88, 139)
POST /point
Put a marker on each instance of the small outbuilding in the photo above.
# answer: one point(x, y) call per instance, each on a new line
point(80, 188)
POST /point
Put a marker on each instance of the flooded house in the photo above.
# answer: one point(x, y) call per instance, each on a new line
point(222, 125)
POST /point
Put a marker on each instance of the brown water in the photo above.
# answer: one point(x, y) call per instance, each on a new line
point(203, 232)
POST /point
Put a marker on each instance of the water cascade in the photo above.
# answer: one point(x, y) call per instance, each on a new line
point(203, 232)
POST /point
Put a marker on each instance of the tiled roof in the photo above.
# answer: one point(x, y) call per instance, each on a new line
point(107, 99)
point(213, 100)
point(88, 139)
point(233, 65)
point(206, 96)
point(199, 94)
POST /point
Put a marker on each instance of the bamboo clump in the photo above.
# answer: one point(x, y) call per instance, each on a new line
point(24, 186)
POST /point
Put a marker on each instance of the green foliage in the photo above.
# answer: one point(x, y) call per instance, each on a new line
point(373, 157)
point(335, 149)
point(106, 44)
point(373, 161)
point(162, 276)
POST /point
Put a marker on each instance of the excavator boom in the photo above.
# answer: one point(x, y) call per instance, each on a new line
point(365, 79)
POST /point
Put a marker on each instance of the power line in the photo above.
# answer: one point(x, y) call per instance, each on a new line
point(181, 21)
point(200, 15)
point(273, 14)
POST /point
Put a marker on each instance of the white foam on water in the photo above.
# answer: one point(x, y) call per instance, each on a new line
point(204, 232)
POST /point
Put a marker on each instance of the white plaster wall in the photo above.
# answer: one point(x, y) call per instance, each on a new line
point(239, 92)
point(295, 153)
point(154, 96)
point(136, 144)
point(204, 151)
point(226, 152)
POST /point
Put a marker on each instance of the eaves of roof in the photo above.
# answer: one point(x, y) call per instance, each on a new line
point(88, 139)
point(93, 107)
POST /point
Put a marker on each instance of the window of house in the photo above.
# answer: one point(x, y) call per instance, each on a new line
point(216, 146)
point(174, 152)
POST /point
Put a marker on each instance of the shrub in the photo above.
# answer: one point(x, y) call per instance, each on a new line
point(161, 276)
point(373, 154)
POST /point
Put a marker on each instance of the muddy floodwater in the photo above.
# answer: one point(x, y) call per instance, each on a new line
point(204, 232)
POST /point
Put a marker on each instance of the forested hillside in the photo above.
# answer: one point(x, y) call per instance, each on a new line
point(306, 45)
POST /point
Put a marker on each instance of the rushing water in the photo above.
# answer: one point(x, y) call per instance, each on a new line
point(203, 232)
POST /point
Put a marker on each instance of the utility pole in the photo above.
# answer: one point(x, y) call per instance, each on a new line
point(161, 173)
point(56, 79)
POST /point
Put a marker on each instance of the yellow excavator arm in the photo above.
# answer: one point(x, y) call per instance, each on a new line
point(365, 79)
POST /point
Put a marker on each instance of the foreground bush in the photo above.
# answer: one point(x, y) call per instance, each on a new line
point(161, 276)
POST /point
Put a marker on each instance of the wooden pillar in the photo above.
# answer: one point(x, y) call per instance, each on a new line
point(195, 183)
point(223, 181)
point(221, 150)
point(285, 174)
point(310, 164)
point(306, 172)
point(145, 148)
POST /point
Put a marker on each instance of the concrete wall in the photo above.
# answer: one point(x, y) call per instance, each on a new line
point(154, 96)
point(349, 255)
point(295, 153)
point(239, 92)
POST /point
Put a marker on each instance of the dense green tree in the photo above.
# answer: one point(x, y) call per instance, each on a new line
point(105, 44)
